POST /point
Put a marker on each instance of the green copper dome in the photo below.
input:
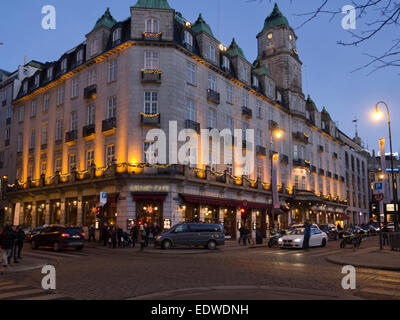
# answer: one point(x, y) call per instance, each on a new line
point(261, 69)
point(325, 115)
point(106, 20)
point(201, 26)
point(310, 104)
point(234, 50)
point(276, 19)
point(153, 4)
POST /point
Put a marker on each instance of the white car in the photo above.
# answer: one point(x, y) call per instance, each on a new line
point(295, 238)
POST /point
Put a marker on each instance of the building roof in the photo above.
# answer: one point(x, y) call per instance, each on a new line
point(261, 70)
point(276, 19)
point(234, 50)
point(310, 104)
point(105, 20)
point(325, 115)
point(153, 4)
point(201, 26)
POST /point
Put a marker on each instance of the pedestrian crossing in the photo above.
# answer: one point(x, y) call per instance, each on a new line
point(380, 283)
point(10, 290)
point(320, 252)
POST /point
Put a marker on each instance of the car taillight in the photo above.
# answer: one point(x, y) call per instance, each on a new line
point(65, 235)
point(83, 234)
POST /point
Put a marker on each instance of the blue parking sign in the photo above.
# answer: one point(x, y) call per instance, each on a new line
point(103, 198)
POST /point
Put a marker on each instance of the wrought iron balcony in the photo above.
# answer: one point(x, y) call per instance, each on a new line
point(89, 130)
point(336, 177)
point(321, 172)
point(342, 179)
point(261, 151)
point(109, 125)
point(321, 148)
point(247, 113)
point(43, 146)
point(329, 174)
point(189, 124)
point(335, 156)
point(90, 92)
point(273, 125)
point(71, 136)
point(299, 136)
point(313, 169)
point(284, 159)
point(300, 163)
point(213, 96)
point(152, 120)
point(151, 76)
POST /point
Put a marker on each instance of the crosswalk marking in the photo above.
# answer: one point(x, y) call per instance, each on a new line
point(15, 286)
point(380, 291)
point(14, 294)
point(12, 290)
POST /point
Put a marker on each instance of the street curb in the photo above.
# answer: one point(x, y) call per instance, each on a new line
point(342, 263)
point(3, 272)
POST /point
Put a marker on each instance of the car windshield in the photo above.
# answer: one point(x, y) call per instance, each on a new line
point(298, 231)
point(324, 228)
point(72, 231)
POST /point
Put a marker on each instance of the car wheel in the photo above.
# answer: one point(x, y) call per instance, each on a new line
point(323, 244)
point(166, 244)
point(79, 248)
point(211, 245)
point(56, 247)
point(34, 245)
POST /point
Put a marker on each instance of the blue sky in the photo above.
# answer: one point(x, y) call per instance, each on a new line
point(327, 66)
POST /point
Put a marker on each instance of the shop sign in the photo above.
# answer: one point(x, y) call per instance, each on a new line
point(103, 198)
point(149, 188)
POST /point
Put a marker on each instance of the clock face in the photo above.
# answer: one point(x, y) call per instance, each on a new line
point(269, 36)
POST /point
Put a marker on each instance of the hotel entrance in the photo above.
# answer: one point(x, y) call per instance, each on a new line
point(149, 208)
point(55, 211)
point(211, 214)
point(27, 221)
point(41, 213)
point(191, 212)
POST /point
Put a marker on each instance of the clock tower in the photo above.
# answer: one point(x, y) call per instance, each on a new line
point(277, 50)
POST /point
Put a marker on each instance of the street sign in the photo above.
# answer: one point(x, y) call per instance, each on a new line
point(378, 188)
point(379, 197)
point(103, 198)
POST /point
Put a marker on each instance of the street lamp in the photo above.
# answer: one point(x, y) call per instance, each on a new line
point(278, 134)
point(379, 115)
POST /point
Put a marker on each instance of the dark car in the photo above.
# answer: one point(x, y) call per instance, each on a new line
point(33, 232)
point(59, 237)
point(331, 230)
point(192, 234)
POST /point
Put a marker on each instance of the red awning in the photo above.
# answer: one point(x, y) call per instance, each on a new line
point(149, 196)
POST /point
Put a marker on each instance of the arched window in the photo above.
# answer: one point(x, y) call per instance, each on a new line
point(152, 25)
point(117, 35)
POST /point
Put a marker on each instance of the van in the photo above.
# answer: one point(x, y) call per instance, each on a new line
point(192, 234)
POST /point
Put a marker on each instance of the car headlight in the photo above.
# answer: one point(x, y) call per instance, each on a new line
point(158, 238)
point(297, 240)
point(280, 240)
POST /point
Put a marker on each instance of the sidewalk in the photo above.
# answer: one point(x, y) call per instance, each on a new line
point(371, 257)
point(23, 265)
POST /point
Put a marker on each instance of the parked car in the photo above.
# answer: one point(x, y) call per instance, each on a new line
point(331, 230)
point(295, 238)
point(370, 229)
point(376, 226)
point(357, 229)
point(300, 226)
point(59, 237)
point(33, 232)
point(192, 234)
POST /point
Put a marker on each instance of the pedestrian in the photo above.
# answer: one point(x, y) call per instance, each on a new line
point(113, 237)
point(246, 236)
point(156, 230)
point(134, 234)
point(21, 238)
point(146, 234)
point(6, 243)
point(105, 234)
point(119, 236)
point(241, 233)
point(14, 246)
point(140, 237)
point(307, 235)
point(92, 235)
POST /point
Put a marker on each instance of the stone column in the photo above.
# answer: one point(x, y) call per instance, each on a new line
point(238, 219)
point(202, 214)
point(289, 217)
point(326, 218)
point(62, 214)
point(253, 221)
point(221, 215)
point(47, 217)
point(317, 218)
point(79, 211)
point(34, 215)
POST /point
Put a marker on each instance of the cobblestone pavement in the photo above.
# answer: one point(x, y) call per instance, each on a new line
point(103, 273)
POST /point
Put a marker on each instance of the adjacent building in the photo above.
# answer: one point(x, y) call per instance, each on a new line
point(79, 127)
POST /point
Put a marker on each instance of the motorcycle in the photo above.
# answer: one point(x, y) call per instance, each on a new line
point(126, 240)
point(274, 237)
point(351, 238)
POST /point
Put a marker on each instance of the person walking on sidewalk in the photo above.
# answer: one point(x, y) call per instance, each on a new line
point(105, 234)
point(20, 239)
point(141, 236)
point(307, 235)
point(119, 236)
point(241, 234)
point(6, 243)
point(155, 230)
point(134, 234)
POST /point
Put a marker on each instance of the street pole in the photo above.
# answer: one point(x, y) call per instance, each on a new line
point(272, 194)
point(394, 184)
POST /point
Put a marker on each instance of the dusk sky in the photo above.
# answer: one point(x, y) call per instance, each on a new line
point(327, 66)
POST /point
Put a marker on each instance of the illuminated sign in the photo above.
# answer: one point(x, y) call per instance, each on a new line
point(149, 188)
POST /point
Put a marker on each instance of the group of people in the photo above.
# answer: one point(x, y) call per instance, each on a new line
point(12, 240)
point(244, 235)
point(115, 236)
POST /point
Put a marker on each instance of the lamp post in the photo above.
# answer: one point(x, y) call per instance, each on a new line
point(278, 135)
point(378, 116)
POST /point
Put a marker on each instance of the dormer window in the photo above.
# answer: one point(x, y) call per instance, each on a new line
point(152, 26)
point(211, 53)
point(243, 73)
point(64, 65)
point(323, 125)
point(117, 35)
point(50, 73)
point(25, 86)
point(93, 47)
point(225, 63)
point(37, 79)
point(79, 57)
point(188, 38)
point(255, 81)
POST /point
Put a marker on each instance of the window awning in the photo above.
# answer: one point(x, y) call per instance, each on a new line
point(149, 196)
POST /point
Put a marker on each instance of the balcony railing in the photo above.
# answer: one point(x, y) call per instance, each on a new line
point(31, 150)
point(90, 92)
point(321, 148)
point(43, 146)
point(284, 159)
point(342, 179)
point(261, 151)
point(300, 163)
point(299, 136)
point(336, 177)
point(313, 169)
point(321, 172)
point(273, 125)
point(89, 130)
point(151, 76)
point(247, 113)
point(152, 120)
point(109, 125)
point(71, 136)
point(151, 36)
point(213, 96)
point(329, 174)
point(189, 124)
point(335, 156)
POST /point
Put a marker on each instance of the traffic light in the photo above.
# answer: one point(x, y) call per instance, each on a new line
point(244, 213)
point(374, 208)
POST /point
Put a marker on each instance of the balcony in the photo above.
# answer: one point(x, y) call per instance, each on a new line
point(151, 76)
point(58, 142)
point(19, 154)
point(342, 179)
point(43, 146)
point(321, 149)
point(335, 156)
point(335, 177)
point(4, 102)
point(151, 36)
point(329, 174)
point(109, 126)
point(313, 169)
point(247, 113)
point(273, 125)
point(300, 163)
point(150, 120)
point(90, 92)
point(261, 151)
point(190, 124)
point(8, 121)
point(321, 172)
point(213, 96)
point(71, 137)
point(284, 159)
point(7, 142)
point(89, 131)
point(300, 136)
